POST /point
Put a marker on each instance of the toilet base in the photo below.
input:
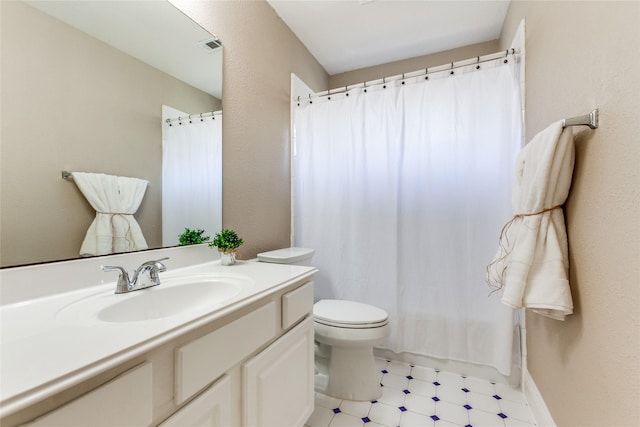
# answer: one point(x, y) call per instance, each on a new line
point(353, 374)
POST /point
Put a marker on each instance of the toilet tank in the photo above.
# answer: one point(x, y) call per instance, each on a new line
point(293, 256)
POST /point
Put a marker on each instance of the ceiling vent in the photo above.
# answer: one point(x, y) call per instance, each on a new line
point(211, 44)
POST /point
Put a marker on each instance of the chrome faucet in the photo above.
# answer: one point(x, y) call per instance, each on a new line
point(145, 276)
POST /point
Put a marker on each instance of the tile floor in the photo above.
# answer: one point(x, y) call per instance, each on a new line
point(418, 396)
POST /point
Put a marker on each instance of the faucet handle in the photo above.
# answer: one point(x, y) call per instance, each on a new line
point(155, 265)
point(123, 279)
point(152, 267)
point(160, 265)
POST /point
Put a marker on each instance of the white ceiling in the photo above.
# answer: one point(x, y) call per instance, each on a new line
point(345, 35)
point(154, 32)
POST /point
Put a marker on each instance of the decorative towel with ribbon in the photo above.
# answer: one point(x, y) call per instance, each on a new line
point(532, 263)
point(115, 200)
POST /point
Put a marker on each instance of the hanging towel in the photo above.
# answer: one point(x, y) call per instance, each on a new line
point(115, 200)
point(532, 263)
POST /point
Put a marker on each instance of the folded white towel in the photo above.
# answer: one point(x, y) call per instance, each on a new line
point(115, 200)
point(532, 263)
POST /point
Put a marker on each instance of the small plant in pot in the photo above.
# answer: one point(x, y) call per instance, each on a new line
point(192, 237)
point(227, 242)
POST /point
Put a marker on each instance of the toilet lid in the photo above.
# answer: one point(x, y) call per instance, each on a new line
point(348, 313)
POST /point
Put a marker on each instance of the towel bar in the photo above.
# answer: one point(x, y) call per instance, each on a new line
point(590, 120)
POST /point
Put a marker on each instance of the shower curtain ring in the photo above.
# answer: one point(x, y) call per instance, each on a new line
point(426, 73)
point(384, 83)
point(451, 68)
point(402, 78)
point(365, 86)
point(506, 55)
point(478, 64)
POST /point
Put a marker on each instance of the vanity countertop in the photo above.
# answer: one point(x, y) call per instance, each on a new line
point(41, 354)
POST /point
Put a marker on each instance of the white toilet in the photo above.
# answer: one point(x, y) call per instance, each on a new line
point(345, 332)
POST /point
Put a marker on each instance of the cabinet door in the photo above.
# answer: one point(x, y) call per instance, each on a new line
point(278, 382)
point(211, 409)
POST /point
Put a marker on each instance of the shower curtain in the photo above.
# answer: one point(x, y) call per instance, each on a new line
point(191, 176)
point(400, 191)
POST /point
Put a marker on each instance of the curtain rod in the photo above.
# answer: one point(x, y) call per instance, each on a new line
point(590, 120)
point(424, 72)
point(200, 116)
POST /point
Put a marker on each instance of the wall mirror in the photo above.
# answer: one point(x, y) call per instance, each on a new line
point(84, 86)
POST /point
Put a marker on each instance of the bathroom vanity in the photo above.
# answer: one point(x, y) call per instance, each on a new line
point(78, 355)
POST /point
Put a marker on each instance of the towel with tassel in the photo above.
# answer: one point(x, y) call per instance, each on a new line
point(115, 200)
point(532, 263)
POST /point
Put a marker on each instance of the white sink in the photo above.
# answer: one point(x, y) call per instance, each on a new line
point(174, 296)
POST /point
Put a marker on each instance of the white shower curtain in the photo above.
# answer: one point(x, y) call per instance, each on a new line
point(400, 191)
point(191, 177)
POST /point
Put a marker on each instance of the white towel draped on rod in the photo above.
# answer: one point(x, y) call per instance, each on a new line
point(532, 263)
point(115, 200)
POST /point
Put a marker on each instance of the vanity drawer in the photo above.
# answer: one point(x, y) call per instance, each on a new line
point(125, 400)
point(211, 409)
point(201, 361)
point(297, 304)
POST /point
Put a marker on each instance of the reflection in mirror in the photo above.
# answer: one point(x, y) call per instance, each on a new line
point(83, 89)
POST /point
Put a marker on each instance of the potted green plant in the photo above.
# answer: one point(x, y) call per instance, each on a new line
point(192, 237)
point(227, 242)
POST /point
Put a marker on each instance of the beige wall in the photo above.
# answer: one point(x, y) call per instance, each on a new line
point(581, 55)
point(413, 64)
point(260, 53)
point(70, 102)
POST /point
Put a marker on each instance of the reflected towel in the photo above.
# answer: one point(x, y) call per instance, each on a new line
point(115, 200)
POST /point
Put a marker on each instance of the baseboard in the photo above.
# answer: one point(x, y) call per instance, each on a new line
point(539, 409)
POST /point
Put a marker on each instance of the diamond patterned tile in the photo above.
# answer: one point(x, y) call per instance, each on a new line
point(512, 422)
point(516, 410)
point(478, 385)
point(420, 404)
point(395, 381)
point(418, 396)
point(398, 368)
point(508, 392)
point(321, 417)
point(355, 408)
point(484, 419)
point(483, 402)
point(422, 387)
point(445, 423)
point(392, 396)
point(451, 394)
point(424, 374)
point(384, 414)
point(453, 413)
point(409, 419)
point(345, 420)
point(449, 379)
point(327, 401)
point(380, 363)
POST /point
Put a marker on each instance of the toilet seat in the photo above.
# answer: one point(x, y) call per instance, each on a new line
point(348, 314)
